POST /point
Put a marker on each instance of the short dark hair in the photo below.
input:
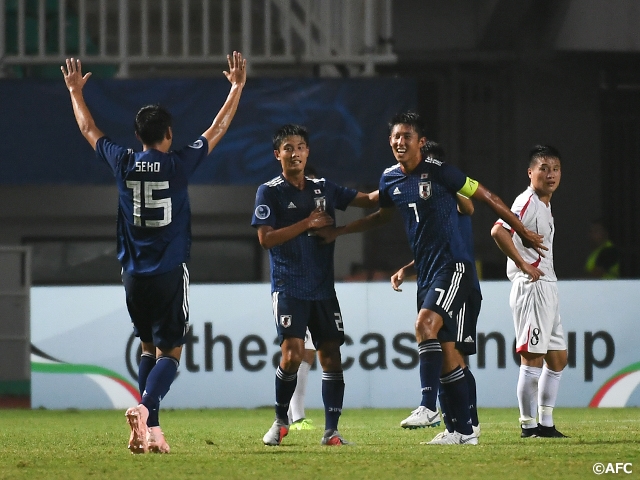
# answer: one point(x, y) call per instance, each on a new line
point(433, 149)
point(152, 123)
point(289, 130)
point(410, 118)
point(542, 151)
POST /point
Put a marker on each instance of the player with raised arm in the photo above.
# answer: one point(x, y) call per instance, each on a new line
point(424, 191)
point(534, 297)
point(154, 236)
point(290, 211)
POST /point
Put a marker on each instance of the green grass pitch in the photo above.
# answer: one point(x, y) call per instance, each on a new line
point(227, 443)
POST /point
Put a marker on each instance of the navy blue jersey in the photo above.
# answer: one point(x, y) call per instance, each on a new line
point(154, 215)
point(466, 231)
point(303, 266)
point(426, 199)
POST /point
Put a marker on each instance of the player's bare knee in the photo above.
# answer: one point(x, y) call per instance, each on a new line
point(532, 359)
point(330, 357)
point(556, 360)
point(292, 354)
point(290, 363)
point(427, 328)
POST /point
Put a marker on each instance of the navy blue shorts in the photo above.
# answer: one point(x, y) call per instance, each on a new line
point(447, 294)
point(467, 319)
point(159, 306)
point(293, 316)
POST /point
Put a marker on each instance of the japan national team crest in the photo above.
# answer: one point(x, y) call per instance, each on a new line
point(285, 321)
point(424, 188)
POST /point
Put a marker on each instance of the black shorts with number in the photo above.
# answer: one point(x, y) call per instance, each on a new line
point(159, 306)
point(293, 316)
point(452, 296)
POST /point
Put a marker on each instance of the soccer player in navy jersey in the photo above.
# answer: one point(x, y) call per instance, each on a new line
point(466, 319)
point(297, 416)
point(290, 210)
point(424, 191)
point(154, 236)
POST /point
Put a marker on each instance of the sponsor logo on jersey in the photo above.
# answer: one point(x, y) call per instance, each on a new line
point(425, 190)
point(468, 339)
point(397, 191)
point(291, 205)
point(197, 144)
point(433, 160)
point(285, 321)
point(262, 212)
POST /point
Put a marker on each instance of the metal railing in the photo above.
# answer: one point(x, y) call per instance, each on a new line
point(353, 34)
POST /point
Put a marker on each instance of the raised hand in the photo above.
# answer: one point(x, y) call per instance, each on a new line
point(237, 73)
point(73, 74)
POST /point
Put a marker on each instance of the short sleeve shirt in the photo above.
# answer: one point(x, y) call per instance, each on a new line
point(426, 199)
point(303, 266)
point(154, 214)
point(536, 216)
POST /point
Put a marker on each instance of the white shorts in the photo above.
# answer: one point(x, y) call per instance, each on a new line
point(535, 316)
point(308, 342)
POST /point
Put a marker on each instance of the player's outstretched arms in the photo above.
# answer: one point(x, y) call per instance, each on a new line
point(504, 241)
point(365, 200)
point(270, 237)
point(75, 82)
point(530, 239)
point(237, 76)
point(398, 277)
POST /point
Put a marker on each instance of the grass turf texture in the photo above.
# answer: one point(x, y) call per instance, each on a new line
point(227, 443)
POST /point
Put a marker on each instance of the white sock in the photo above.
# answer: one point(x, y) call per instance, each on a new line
point(547, 395)
point(527, 392)
point(296, 406)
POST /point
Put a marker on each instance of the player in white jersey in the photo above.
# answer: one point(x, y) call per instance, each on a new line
point(534, 297)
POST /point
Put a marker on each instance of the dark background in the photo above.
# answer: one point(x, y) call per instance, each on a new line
point(492, 78)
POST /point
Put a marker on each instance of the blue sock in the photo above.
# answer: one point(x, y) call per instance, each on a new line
point(332, 396)
point(430, 354)
point(147, 362)
point(159, 382)
point(457, 391)
point(473, 397)
point(285, 386)
point(446, 410)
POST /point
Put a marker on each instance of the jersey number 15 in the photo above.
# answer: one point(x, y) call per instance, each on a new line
point(141, 202)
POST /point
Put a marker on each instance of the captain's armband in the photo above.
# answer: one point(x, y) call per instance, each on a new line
point(469, 188)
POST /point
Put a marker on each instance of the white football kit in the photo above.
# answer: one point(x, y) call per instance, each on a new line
point(534, 304)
